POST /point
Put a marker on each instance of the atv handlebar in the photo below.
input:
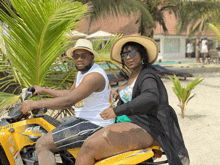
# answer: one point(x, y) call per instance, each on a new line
point(29, 93)
point(16, 115)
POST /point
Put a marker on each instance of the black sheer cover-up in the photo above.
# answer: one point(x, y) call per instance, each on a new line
point(149, 109)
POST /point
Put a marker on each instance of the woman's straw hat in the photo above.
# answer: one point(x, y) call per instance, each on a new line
point(150, 45)
point(82, 44)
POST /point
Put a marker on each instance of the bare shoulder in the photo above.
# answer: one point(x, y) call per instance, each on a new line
point(94, 80)
point(94, 77)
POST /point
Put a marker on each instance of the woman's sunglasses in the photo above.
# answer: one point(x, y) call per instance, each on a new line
point(129, 53)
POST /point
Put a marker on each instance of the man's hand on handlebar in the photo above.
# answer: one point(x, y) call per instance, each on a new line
point(38, 90)
point(27, 106)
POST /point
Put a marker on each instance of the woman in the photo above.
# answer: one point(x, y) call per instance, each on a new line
point(189, 49)
point(143, 114)
point(204, 50)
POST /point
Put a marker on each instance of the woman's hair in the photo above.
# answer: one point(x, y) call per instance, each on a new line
point(138, 47)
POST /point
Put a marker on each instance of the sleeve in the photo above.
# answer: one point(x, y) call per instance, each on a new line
point(148, 97)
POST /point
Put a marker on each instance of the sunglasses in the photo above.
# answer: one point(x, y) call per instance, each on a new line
point(82, 56)
point(129, 53)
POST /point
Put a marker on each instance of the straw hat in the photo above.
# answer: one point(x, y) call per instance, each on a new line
point(82, 44)
point(150, 45)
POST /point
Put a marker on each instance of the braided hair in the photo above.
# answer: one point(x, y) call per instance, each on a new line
point(142, 51)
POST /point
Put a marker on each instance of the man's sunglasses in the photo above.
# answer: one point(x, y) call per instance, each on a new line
point(82, 56)
point(129, 53)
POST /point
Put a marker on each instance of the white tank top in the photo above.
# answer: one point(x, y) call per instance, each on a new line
point(91, 107)
point(204, 48)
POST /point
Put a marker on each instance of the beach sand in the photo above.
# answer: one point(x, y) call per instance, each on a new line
point(201, 125)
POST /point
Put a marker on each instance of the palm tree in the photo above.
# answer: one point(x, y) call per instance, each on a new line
point(215, 29)
point(197, 15)
point(33, 41)
point(151, 12)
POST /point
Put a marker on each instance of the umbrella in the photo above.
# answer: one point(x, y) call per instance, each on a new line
point(76, 34)
point(100, 34)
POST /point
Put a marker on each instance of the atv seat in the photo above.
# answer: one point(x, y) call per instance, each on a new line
point(130, 157)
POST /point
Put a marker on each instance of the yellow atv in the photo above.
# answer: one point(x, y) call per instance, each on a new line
point(19, 133)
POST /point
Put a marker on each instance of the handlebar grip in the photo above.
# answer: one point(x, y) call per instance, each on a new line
point(35, 111)
point(31, 89)
point(44, 110)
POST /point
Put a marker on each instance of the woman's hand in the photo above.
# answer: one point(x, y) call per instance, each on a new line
point(115, 95)
point(108, 114)
point(38, 90)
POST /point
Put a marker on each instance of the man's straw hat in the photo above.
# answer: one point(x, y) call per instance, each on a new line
point(82, 44)
point(150, 45)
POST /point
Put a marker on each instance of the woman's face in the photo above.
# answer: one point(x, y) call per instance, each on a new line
point(132, 62)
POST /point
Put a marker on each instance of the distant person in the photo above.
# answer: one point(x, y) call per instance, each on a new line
point(189, 49)
point(204, 49)
point(198, 48)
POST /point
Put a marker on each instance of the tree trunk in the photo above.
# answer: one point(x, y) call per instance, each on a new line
point(182, 110)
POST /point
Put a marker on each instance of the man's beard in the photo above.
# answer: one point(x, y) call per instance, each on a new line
point(86, 68)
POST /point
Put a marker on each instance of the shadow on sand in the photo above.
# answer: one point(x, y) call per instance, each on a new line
point(191, 117)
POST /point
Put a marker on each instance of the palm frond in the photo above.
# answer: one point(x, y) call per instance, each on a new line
point(189, 13)
point(36, 38)
point(6, 101)
point(215, 30)
point(33, 41)
point(107, 47)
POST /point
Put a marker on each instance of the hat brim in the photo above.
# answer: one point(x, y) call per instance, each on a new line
point(71, 50)
point(149, 44)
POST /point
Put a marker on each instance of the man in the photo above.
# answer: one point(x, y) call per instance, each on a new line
point(90, 93)
point(198, 48)
point(204, 49)
point(189, 49)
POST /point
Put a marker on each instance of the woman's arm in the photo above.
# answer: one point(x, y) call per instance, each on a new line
point(148, 98)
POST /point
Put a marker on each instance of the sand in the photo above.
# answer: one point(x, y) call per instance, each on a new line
point(201, 125)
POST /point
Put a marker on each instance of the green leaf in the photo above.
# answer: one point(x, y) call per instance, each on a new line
point(184, 95)
point(178, 85)
point(190, 98)
point(33, 39)
point(6, 101)
point(37, 37)
point(188, 86)
point(177, 94)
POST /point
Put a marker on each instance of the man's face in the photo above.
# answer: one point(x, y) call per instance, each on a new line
point(83, 59)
